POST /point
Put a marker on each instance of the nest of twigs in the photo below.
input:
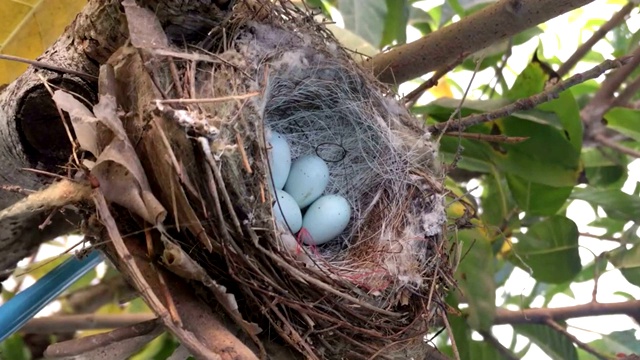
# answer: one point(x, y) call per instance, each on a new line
point(196, 116)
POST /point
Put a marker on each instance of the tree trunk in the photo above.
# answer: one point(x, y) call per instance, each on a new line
point(33, 135)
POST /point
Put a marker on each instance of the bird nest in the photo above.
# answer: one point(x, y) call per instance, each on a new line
point(197, 119)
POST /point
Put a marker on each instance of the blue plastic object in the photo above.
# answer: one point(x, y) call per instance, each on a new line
point(25, 305)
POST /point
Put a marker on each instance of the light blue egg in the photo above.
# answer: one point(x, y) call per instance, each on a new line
point(279, 159)
point(325, 219)
point(286, 207)
point(307, 180)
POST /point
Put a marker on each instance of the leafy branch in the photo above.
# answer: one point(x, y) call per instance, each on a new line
point(530, 102)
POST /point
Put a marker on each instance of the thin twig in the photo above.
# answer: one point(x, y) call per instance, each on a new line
point(491, 340)
point(171, 306)
point(555, 326)
point(603, 99)
point(456, 353)
point(500, 69)
point(144, 332)
point(413, 96)
point(75, 322)
point(596, 277)
point(490, 138)
point(532, 101)
point(583, 49)
point(603, 140)
point(540, 315)
point(601, 237)
point(627, 94)
point(17, 189)
point(43, 65)
point(46, 173)
point(208, 100)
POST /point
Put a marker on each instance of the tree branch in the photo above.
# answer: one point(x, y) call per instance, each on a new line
point(627, 94)
point(72, 323)
point(583, 49)
point(90, 298)
point(504, 352)
point(413, 96)
point(555, 326)
point(605, 141)
point(592, 113)
point(541, 315)
point(120, 343)
point(530, 102)
point(496, 22)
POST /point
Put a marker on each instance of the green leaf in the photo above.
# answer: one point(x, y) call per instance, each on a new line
point(441, 109)
point(550, 249)
point(554, 345)
point(482, 350)
point(597, 157)
point(596, 267)
point(366, 18)
point(159, 348)
point(475, 278)
point(552, 290)
point(83, 281)
point(628, 262)
point(530, 82)
point(621, 37)
point(604, 167)
point(537, 199)
point(421, 20)
point(395, 25)
point(469, 349)
point(617, 204)
point(476, 155)
point(607, 176)
point(496, 200)
point(42, 267)
point(352, 41)
point(624, 342)
point(456, 7)
point(503, 274)
point(568, 111)
point(14, 348)
point(493, 54)
point(625, 121)
point(461, 331)
point(547, 157)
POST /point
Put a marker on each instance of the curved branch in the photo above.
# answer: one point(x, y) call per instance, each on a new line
point(496, 22)
point(530, 102)
point(602, 101)
point(71, 323)
point(583, 49)
point(542, 315)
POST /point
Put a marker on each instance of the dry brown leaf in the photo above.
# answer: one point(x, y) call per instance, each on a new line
point(122, 180)
point(117, 168)
point(82, 119)
point(145, 30)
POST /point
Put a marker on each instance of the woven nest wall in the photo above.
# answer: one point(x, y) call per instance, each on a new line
point(371, 291)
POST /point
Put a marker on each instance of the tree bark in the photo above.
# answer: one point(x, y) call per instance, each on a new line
point(32, 132)
point(33, 135)
point(496, 22)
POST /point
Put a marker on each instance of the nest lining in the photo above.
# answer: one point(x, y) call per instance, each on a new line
point(373, 289)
